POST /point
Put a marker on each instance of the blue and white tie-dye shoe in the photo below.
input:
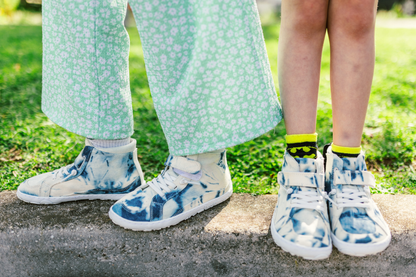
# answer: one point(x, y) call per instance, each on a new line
point(300, 220)
point(105, 174)
point(358, 228)
point(188, 185)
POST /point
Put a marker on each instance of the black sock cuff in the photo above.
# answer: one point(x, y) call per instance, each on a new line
point(345, 155)
point(312, 144)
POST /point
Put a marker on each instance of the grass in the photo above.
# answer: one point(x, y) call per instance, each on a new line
point(31, 144)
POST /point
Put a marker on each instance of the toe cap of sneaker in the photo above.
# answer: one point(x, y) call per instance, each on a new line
point(32, 186)
point(138, 215)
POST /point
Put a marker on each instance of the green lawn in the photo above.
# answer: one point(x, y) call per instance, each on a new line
point(31, 144)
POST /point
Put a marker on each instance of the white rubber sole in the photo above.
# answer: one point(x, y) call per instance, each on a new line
point(360, 249)
point(157, 225)
point(299, 250)
point(56, 200)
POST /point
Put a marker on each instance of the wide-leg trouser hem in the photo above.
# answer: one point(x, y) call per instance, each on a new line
point(239, 140)
point(85, 132)
point(206, 63)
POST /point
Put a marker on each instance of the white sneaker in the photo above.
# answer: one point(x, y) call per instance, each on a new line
point(105, 174)
point(300, 221)
point(358, 228)
point(187, 186)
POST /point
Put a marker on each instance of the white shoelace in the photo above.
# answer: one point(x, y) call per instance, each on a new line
point(163, 183)
point(308, 199)
point(64, 170)
point(350, 197)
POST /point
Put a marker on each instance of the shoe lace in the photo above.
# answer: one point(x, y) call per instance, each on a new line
point(65, 171)
point(351, 197)
point(308, 199)
point(163, 183)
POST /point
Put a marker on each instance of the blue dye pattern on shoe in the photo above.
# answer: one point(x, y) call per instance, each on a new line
point(94, 172)
point(185, 184)
point(302, 223)
point(355, 218)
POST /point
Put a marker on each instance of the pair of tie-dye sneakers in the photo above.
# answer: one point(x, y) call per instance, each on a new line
point(300, 223)
point(191, 184)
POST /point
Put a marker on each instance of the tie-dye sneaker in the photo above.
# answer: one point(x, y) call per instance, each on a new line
point(188, 185)
point(358, 228)
point(300, 221)
point(105, 174)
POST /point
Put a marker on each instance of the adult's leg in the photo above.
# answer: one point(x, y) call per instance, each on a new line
point(86, 90)
point(212, 88)
point(301, 39)
point(208, 72)
point(351, 26)
point(85, 68)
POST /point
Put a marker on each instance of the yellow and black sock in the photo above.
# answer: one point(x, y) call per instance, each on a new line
point(346, 152)
point(302, 146)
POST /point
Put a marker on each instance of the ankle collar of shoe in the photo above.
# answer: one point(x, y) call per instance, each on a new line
point(184, 164)
point(116, 150)
point(193, 163)
point(299, 164)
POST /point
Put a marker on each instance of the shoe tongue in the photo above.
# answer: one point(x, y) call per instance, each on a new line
point(349, 164)
point(170, 171)
point(306, 165)
point(352, 165)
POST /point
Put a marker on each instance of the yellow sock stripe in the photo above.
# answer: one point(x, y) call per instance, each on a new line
point(301, 138)
point(346, 150)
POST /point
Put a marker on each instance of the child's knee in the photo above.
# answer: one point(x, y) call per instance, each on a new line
point(358, 17)
point(309, 16)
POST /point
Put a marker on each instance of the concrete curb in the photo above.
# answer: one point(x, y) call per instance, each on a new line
point(232, 239)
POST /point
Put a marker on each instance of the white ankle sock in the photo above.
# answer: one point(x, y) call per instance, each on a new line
point(109, 143)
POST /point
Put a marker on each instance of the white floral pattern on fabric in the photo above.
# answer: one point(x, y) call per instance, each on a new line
point(206, 62)
point(85, 67)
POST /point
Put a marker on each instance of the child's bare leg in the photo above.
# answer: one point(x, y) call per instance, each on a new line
point(301, 227)
point(351, 33)
point(301, 38)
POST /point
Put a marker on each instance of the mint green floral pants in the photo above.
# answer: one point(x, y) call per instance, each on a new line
point(206, 63)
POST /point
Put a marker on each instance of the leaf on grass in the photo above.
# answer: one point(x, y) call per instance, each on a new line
point(12, 159)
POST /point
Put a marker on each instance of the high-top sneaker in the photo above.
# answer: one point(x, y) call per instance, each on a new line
point(358, 228)
point(300, 220)
point(188, 185)
point(105, 174)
